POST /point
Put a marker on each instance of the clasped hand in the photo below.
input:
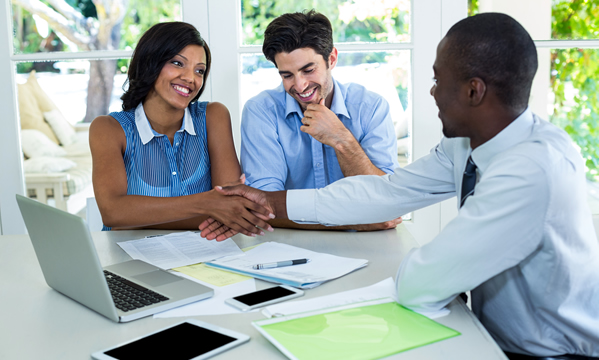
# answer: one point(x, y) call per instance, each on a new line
point(245, 212)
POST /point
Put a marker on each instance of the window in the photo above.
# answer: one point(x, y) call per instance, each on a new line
point(565, 87)
point(363, 33)
point(401, 40)
point(78, 54)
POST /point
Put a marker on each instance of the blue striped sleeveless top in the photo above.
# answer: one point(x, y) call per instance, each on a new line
point(160, 169)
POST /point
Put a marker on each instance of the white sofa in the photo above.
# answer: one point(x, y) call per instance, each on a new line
point(57, 160)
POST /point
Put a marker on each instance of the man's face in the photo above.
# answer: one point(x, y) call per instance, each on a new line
point(306, 76)
point(449, 94)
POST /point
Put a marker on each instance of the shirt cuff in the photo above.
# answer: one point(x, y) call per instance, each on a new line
point(301, 207)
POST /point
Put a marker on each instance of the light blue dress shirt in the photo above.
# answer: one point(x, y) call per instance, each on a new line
point(277, 155)
point(524, 242)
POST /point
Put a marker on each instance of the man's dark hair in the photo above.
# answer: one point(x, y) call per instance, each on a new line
point(298, 30)
point(497, 49)
point(159, 44)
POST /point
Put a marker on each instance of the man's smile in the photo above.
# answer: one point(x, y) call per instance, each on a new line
point(307, 95)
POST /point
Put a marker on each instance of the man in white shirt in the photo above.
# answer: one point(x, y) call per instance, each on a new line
point(523, 241)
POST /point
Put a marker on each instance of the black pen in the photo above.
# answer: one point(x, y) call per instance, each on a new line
point(280, 264)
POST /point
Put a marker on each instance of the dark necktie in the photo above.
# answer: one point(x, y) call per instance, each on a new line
point(468, 181)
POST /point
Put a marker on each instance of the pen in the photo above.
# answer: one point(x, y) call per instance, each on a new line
point(280, 264)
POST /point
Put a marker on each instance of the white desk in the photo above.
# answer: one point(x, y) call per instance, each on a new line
point(40, 323)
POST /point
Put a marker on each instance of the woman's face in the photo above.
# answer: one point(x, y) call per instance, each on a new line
point(181, 78)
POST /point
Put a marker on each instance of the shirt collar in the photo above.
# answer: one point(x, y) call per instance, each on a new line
point(513, 134)
point(145, 131)
point(337, 105)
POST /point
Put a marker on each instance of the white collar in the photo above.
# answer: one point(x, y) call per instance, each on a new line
point(516, 132)
point(145, 131)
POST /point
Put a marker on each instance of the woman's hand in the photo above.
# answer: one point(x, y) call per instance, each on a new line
point(234, 214)
point(213, 229)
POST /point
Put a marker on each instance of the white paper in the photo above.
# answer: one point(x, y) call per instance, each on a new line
point(322, 267)
point(383, 289)
point(178, 249)
point(214, 305)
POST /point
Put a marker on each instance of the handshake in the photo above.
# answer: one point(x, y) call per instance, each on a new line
point(242, 209)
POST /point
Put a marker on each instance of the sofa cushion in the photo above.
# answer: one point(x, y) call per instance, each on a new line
point(43, 100)
point(45, 164)
point(61, 127)
point(30, 114)
point(35, 144)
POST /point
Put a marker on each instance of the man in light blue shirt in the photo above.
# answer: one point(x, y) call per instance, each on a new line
point(311, 130)
point(523, 241)
point(278, 155)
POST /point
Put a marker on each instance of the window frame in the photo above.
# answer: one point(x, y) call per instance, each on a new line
point(220, 25)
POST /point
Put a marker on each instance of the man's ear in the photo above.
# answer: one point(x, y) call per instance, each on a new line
point(333, 58)
point(476, 91)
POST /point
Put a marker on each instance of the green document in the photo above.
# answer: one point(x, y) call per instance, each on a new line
point(370, 330)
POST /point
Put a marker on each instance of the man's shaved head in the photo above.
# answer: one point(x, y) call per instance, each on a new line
point(497, 49)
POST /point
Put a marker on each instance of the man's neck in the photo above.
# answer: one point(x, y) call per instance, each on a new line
point(328, 102)
point(492, 121)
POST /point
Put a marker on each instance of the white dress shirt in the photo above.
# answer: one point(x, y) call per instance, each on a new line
point(524, 242)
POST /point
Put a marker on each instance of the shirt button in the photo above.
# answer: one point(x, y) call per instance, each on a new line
point(177, 144)
point(317, 164)
point(174, 173)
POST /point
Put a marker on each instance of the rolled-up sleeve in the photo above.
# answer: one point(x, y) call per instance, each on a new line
point(379, 141)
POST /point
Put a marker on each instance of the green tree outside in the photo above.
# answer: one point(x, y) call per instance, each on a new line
point(576, 71)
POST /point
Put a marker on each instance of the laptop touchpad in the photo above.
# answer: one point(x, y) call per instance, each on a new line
point(157, 278)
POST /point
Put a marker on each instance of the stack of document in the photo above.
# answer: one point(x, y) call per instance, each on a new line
point(178, 249)
point(321, 268)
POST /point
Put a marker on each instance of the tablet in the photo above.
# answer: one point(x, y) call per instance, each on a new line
point(186, 340)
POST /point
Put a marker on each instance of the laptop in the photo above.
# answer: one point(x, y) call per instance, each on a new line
point(121, 292)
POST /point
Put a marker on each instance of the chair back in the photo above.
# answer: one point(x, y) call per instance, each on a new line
point(93, 216)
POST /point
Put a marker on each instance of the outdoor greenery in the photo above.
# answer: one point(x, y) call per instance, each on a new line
point(86, 25)
point(140, 16)
point(574, 78)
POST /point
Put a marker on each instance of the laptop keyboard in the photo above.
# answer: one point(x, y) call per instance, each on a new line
point(128, 295)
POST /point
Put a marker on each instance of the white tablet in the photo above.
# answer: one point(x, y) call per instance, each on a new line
point(186, 340)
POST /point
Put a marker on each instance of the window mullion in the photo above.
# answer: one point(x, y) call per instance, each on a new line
point(426, 127)
point(11, 161)
point(87, 55)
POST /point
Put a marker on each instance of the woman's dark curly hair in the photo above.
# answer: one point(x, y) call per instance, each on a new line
point(157, 46)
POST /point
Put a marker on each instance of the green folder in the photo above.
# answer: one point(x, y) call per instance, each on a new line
point(368, 330)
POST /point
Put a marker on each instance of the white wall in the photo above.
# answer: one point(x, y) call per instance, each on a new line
point(11, 164)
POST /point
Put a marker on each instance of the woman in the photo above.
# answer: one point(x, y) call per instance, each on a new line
point(155, 162)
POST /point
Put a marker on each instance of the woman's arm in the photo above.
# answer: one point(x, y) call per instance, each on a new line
point(224, 166)
point(119, 210)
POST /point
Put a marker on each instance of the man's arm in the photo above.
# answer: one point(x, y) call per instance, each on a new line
point(499, 226)
point(261, 154)
point(361, 199)
point(266, 168)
